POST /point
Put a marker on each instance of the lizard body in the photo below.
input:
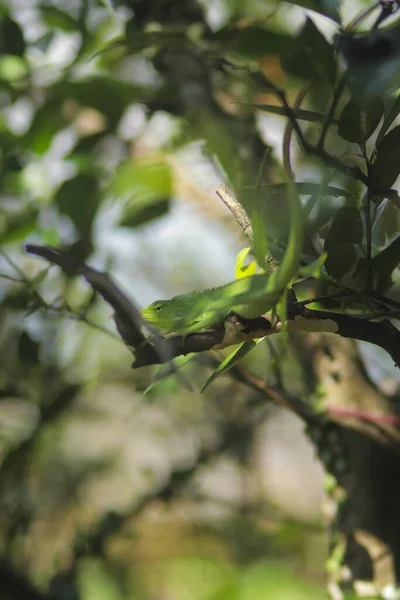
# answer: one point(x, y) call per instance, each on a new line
point(249, 297)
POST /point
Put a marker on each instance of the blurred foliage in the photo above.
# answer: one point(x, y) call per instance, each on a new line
point(100, 102)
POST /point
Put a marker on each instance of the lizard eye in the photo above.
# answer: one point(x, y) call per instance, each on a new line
point(158, 307)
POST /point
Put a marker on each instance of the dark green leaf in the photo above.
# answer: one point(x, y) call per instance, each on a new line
point(341, 257)
point(329, 8)
point(79, 198)
point(28, 349)
point(386, 167)
point(347, 226)
point(385, 263)
point(143, 210)
point(310, 56)
point(373, 61)
point(358, 121)
point(11, 38)
point(389, 118)
point(47, 121)
point(252, 41)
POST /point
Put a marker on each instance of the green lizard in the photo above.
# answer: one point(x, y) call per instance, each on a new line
point(249, 297)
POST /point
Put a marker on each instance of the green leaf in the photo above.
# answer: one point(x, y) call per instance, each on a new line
point(314, 269)
point(15, 227)
point(357, 277)
point(358, 121)
point(329, 8)
point(230, 361)
point(242, 270)
point(11, 37)
point(54, 17)
point(148, 179)
point(341, 257)
point(310, 56)
point(79, 198)
point(386, 167)
point(347, 226)
point(143, 210)
point(12, 68)
point(252, 41)
point(149, 187)
point(390, 117)
point(47, 121)
point(168, 370)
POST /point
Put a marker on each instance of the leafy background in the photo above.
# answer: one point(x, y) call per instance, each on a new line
point(106, 493)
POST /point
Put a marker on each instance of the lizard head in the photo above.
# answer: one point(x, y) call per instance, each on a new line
point(162, 313)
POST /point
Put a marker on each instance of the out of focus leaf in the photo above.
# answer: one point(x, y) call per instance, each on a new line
point(11, 37)
point(386, 167)
point(16, 226)
point(47, 121)
point(390, 117)
point(149, 186)
point(347, 226)
point(142, 210)
point(314, 269)
point(79, 198)
point(41, 276)
point(373, 61)
point(12, 68)
point(357, 277)
point(109, 96)
point(57, 18)
point(358, 121)
point(384, 263)
point(341, 257)
point(28, 349)
point(252, 41)
point(310, 56)
point(329, 8)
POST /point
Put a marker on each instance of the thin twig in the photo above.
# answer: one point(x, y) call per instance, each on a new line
point(300, 408)
point(236, 209)
point(10, 278)
point(331, 112)
point(361, 17)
